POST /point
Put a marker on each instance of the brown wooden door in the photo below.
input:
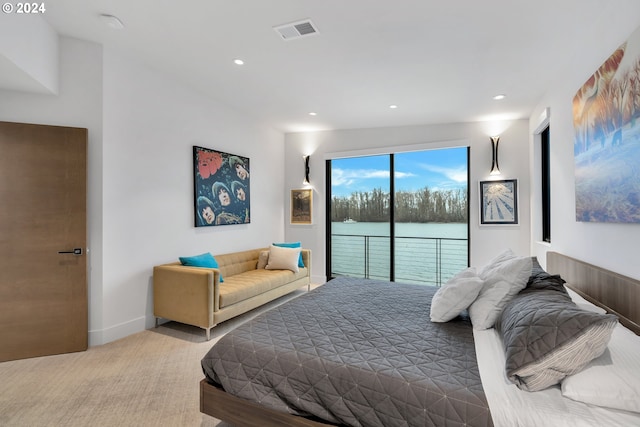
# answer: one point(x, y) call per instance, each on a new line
point(43, 293)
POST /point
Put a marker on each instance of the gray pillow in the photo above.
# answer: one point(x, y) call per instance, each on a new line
point(540, 279)
point(547, 337)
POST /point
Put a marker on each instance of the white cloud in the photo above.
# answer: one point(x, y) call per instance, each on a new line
point(458, 174)
point(347, 177)
point(404, 175)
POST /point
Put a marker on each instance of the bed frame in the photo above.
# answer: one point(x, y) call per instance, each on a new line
point(239, 412)
point(615, 293)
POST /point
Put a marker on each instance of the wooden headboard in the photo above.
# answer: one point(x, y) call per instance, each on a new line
point(614, 292)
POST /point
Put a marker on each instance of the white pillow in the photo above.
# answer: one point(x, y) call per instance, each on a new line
point(455, 295)
point(504, 276)
point(510, 266)
point(283, 258)
point(613, 379)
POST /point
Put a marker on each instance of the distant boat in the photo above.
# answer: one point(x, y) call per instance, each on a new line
point(349, 221)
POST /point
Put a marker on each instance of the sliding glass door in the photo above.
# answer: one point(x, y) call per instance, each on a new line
point(431, 215)
point(400, 217)
point(360, 217)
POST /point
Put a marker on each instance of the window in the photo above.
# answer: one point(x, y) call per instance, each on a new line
point(546, 185)
point(400, 217)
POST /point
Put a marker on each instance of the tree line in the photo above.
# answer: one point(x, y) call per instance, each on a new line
point(420, 206)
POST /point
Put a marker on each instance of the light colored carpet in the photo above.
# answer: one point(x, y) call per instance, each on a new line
point(147, 379)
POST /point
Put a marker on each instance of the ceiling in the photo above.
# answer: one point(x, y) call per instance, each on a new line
point(438, 61)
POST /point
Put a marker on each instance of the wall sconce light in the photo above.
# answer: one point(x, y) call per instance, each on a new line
point(495, 169)
point(306, 170)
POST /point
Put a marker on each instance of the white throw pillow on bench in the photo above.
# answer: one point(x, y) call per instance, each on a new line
point(281, 258)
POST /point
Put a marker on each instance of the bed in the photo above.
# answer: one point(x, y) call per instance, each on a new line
point(364, 352)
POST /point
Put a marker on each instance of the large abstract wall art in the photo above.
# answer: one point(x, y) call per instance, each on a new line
point(606, 119)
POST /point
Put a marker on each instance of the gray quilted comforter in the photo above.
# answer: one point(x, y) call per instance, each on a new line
point(356, 352)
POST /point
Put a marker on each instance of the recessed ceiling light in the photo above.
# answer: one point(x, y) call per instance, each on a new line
point(112, 21)
point(499, 97)
point(392, 106)
point(313, 113)
point(238, 61)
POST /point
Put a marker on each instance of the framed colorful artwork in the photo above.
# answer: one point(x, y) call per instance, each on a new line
point(301, 206)
point(222, 188)
point(499, 202)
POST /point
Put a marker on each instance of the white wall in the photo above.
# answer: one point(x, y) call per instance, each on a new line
point(150, 125)
point(142, 126)
point(612, 246)
point(486, 241)
point(28, 53)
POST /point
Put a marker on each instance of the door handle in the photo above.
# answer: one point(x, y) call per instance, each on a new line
point(75, 251)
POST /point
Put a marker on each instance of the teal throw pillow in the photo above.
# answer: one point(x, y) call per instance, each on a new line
point(204, 260)
point(292, 245)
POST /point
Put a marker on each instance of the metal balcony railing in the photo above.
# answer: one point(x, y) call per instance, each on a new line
point(422, 260)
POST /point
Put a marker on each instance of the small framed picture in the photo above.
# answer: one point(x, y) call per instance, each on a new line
point(301, 206)
point(499, 202)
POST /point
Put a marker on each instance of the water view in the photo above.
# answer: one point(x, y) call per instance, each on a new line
point(425, 253)
point(428, 202)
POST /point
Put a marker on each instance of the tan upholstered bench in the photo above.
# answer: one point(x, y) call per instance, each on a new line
point(195, 295)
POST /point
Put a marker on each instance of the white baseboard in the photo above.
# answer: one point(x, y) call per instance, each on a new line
point(113, 333)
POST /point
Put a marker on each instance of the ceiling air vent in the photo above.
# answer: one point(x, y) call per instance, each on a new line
point(296, 30)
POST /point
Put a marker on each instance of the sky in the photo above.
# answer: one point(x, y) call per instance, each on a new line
point(441, 169)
